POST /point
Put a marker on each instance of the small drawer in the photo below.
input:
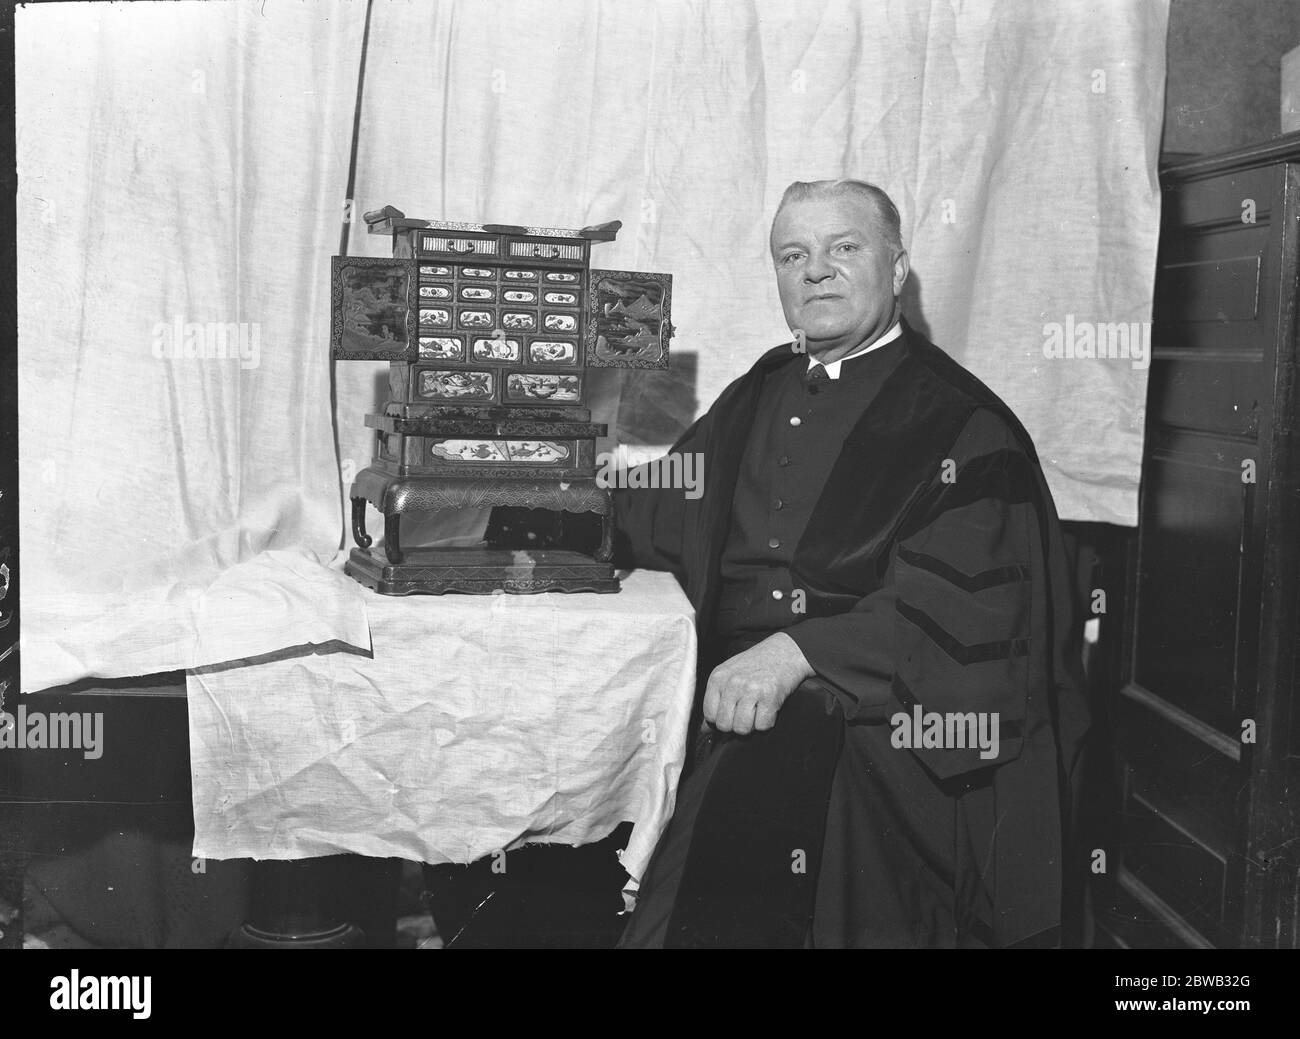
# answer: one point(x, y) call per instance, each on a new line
point(434, 384)
point(442, 348)
point(555, 453)
point(478, 293)
point(434, 271)
point(435, 317)
point(451, 244)
point(542, 388)
point(560, 298)
point(511, 274)
point(562, 278)
point(549, 250)
point(553, 351)
point(497, 349)
point(434, 292)
point(478, 273)
point(560, 322)
point(475, 319)
point(519, 295)
point(518, 320)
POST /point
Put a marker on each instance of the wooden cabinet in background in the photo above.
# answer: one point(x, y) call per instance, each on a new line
point(1209, 836)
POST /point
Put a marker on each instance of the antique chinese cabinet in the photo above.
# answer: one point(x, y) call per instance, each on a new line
point(489, 331)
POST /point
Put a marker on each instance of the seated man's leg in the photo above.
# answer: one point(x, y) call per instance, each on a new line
point(738, 865)
point(899, 869)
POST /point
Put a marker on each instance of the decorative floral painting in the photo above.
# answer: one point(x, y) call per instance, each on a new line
point(456, 385)
point(372, 311)
point(533, 452)
point(630, 318)
point(442, 348)
point(496, 349)
point(556, 389)
point(552, 351)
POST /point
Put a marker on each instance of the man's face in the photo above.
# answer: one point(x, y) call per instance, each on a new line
point(837, 276)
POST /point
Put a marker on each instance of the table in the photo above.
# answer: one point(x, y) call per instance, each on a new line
point(473, 724)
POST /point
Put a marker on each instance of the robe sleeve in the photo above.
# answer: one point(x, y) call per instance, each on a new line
point(854, 652)
point(949, 629)
point(651, 518)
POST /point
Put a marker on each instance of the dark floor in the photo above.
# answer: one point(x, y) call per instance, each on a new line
point(98, 856)
point(538, 897)
point(126, 879)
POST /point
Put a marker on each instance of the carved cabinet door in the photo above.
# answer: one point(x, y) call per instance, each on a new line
point(628, 319)
point(374, 309)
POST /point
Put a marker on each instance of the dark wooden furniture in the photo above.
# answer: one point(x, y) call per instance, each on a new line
point(1206, 720)
point(123, 825)
point(107, 840)
point(489, 331)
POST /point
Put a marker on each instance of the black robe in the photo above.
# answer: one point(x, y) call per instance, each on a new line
point(935, 579)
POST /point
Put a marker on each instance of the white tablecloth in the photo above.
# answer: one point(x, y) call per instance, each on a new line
point(475, 724)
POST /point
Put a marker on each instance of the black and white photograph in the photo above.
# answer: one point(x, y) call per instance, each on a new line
point(610, 475)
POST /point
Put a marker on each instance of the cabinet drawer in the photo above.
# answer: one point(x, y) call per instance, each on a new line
point(562, 279)
point(553, 351)
point(547, 250)
point(459, 387)
point(441, 348)
point(498, 349)
point(542, 388)
point(561, 454)
point(444, 243)
point(560, 322)
point(434, 317)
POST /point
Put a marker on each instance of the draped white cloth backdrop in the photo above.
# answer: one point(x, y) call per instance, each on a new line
point(177, 162)
point(187, 162)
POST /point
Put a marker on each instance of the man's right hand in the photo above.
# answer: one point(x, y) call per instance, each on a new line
point(744, 693)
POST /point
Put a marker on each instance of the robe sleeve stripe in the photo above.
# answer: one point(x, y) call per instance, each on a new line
point(978, 653)
point(967, 582)
point(1005, 475)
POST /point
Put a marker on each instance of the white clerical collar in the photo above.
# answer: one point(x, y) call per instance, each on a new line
point(833, 369)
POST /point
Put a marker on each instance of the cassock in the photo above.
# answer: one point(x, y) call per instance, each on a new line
point(893, 521)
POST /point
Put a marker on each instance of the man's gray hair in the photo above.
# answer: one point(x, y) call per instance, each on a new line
point(887, 221)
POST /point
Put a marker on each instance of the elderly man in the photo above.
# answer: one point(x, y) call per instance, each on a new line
point(890, 699)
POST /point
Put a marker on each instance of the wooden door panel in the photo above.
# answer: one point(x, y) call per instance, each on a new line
point(1217, 393)
point(1190, 877)
point(1220, 201)
point(1217, 280)
point(1220, 290)
point(1137, 920)
point(1190, 576)
point(1185, 771)
point(1204, 860)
